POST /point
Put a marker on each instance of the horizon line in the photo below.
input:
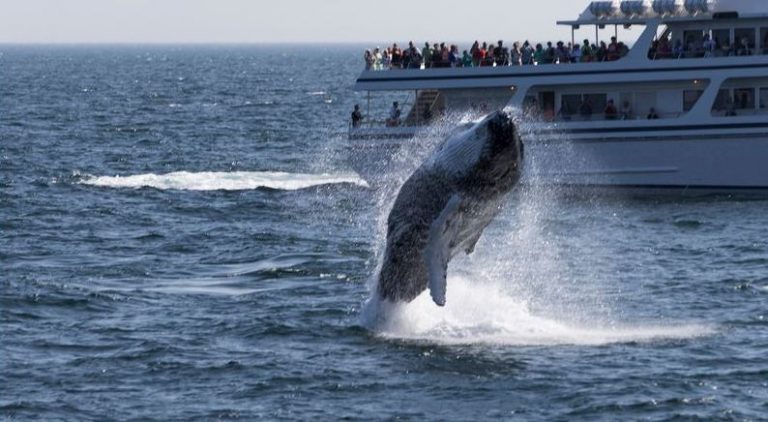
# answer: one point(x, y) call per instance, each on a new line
point(41, 43)
point(290, 42)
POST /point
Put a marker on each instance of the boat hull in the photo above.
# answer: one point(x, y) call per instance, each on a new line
point(685, 163)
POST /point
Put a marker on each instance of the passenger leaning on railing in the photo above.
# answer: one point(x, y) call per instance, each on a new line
point(426, 54)
point(466, 59)
point(488, 60)
point(368, 57)
point(394, 115)
point(586, 52)
point(444, 55)
point(527, 53)
point(477, 54)
point(549, 54)
point(613, 50)
point(562, 54)
point(515, 55)
point(386, 59)
point(576, 54)
point(396, 57)
point(744, 48)
point(490, 55)
point(539, 54)
point(412, 57)
point(453, 56)
point(501, 54)
point(357, 116)
point(708, 46)
point(677, 50)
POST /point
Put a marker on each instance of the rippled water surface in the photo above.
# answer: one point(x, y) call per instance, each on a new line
point(182, 238)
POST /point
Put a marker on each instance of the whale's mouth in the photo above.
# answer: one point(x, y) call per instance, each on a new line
point(504, 147)
point(501, 126)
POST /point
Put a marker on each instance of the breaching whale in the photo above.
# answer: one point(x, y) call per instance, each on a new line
point(445, 204)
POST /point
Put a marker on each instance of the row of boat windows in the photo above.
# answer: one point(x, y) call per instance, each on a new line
point(736, 101)
point(731, 101)
point(712, 43)
point(633, 106)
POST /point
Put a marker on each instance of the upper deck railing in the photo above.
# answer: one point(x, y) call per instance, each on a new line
point(487, 55)
point(560, 53)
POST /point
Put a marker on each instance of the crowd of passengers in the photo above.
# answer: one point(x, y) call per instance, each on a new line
point(489, 54)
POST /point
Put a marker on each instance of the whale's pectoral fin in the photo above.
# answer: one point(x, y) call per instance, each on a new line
point(472, 243)
point(442, 233)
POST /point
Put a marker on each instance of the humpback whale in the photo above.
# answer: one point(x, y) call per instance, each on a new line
point(445, 204)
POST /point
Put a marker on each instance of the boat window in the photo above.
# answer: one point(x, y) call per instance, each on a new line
point(547, 101)
point(744, 40)
point(569, 105)
point(661, 47)
point(722, 38)
point(582, 106)
point(723, 102)
point(762, 105)
point(598, 101)
point(530, 105)
point(693, 43)
point(690, 97)
point(764, 37)
point(744, 98)
point(645, 101)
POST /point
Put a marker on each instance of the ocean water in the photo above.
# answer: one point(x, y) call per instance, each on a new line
point(182, 238)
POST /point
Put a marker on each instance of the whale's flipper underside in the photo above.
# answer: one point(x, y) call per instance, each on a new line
point(442, 233)
point(473, 242)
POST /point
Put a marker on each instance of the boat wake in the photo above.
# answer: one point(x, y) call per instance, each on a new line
point(230, 181)
point(485, 314)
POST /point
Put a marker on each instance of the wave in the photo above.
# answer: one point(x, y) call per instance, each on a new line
point(484, 314)
point(237, 180)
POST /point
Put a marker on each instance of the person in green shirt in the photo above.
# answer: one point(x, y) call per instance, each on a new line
point(586, 52)
point(539, 54)
point(466, 59)
point(426, 54)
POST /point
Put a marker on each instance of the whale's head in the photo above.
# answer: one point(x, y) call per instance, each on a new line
point(501, 157)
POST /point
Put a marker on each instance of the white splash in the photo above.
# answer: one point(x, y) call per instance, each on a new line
point(482, 313)
point(236, 180)
point(522, 258)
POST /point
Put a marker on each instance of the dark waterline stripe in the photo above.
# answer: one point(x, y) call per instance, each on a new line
point(652, 138)
point(660, 128)
point(751, 189)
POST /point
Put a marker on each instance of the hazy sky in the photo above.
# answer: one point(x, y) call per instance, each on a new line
point(254, 21)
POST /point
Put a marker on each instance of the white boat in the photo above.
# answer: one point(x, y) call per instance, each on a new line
point(700, 67)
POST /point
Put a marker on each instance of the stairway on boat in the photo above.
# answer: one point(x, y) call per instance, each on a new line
point(426, 99)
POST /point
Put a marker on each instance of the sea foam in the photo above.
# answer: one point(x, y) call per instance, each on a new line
point(482, 313)
point(236, 180)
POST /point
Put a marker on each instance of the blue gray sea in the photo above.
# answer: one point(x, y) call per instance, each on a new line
point(182, 238)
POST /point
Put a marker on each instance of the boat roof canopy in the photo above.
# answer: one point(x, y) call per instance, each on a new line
point(640, 12)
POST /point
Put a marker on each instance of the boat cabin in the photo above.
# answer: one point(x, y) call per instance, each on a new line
point(693, 60)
